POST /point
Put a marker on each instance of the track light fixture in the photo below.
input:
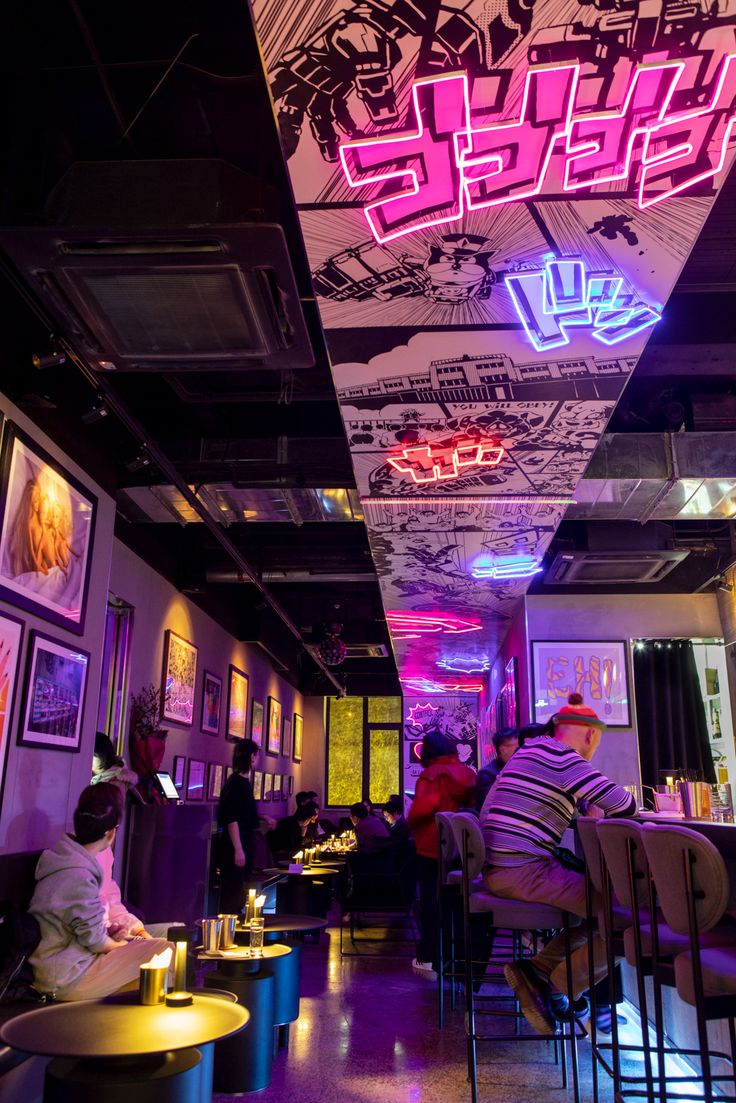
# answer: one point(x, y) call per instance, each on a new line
point(726, 587)
point(96, 412)
point(53, 357)
point(139, 462)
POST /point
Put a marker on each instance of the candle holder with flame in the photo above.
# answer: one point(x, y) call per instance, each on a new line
point(152, 983)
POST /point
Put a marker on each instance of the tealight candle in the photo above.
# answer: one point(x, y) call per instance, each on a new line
point(152, 983)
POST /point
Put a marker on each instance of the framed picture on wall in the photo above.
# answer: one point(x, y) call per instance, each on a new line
point(273, 735)
point(56, 679)
point(178, 679)
point(267, 786)
point(237, 703)
point(597, 669)
point(195, 780)
point(180, 770)
point(298, 737)
point(46, 533)
point(291, 784)
point(257, 785)
point(211, 701)
point(256, 722)
point(11, 640)
point(214, 780)
point(510, 694)
point(277, 783)
point(286, 738)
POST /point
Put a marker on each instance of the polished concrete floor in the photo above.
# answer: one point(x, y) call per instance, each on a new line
point(367, 1033)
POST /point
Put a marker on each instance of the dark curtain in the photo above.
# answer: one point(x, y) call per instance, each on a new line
point(669, 711)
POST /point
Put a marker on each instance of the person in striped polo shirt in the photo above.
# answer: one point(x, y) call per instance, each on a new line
point(524, 818)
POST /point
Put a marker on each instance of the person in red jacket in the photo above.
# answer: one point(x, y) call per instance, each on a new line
point(444, 785)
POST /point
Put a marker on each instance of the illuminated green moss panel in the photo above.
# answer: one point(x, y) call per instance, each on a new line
point(384, 710)
point(345, 765)
point(384, 764)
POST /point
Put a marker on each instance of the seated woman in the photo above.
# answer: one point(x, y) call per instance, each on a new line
point(291, 833)
point(76, 958)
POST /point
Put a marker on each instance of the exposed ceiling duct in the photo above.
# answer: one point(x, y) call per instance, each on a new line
point(659, 477)
point(229, 504)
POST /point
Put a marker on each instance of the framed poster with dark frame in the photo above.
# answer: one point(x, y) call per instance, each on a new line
point(286, 738)
point(510, 692)
point(195, 780)
point(291, 784)
point(298, 737)
point(56, 679)
point(178, 679)
point(267, 786)
point(214, 780)
point(237, 704)
point(258, 785)
point(277, 786)
point(180, 770)
point(211, 702)
point(256, 722)
point(597, 669)
point(273, 733)
point(46, 533)
point(11, 642)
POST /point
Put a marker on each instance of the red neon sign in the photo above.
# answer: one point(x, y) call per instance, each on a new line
point(429, 463)
point(444, 166)
point(408, 626)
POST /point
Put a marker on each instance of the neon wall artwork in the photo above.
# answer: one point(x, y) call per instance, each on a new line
point(427, 463)
point(420, 713)
point(446, 167)
point(562, 295)
point(496, 202)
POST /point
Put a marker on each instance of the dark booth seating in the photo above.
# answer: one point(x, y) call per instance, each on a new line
point(17, 878)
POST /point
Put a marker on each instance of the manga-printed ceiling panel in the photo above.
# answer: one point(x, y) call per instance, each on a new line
point(496, 199)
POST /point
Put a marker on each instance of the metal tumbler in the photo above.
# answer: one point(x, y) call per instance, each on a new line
point(695, 799)
point(211, 935)
point(227, 931)
point(152, 984)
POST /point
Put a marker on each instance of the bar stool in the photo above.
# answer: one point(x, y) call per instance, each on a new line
point(626, 863)
point(510, 915)
point(598, 882)
point(449, 882)
point(692, 889)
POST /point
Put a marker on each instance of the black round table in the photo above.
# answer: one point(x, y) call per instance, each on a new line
point(110, 1048)
point(308, 892)
point(287, 925)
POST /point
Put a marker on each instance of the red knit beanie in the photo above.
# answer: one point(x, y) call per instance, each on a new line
point(575, 712)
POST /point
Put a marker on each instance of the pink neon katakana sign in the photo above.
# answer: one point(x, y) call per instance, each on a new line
point(430, 463)
point(445, 166)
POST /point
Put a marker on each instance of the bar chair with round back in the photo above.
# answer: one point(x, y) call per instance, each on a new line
point(692, 890)
point(449, 884)
point(512, 915)
point(606, 915)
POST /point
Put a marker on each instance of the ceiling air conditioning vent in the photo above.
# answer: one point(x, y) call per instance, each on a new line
point(586, 568)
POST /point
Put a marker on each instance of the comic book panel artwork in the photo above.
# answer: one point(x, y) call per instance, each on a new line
point(11, 639)
point(456, 717)
point(46, 536)
point(54, 694)
point(179, 677)
point(494, 218)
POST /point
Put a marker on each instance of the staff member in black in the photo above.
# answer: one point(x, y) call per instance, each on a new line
point(237, 818)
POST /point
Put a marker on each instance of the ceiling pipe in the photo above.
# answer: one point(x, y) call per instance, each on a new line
point(134, 427)
point(292, 575)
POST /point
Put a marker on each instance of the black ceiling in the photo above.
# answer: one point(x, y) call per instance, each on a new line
point(157, 82)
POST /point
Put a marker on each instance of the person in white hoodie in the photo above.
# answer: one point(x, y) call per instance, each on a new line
point(76, 959)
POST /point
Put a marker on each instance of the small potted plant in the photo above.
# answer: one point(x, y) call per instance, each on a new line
point(147, 741)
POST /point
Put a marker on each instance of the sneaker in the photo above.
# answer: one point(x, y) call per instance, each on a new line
point(532, 994)
point(424, 968)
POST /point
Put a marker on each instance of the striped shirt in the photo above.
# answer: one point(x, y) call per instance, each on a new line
point(533, 801)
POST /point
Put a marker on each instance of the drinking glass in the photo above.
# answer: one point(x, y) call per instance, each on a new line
point(256, 937)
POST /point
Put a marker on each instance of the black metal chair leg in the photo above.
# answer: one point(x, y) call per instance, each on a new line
point(573, 1023)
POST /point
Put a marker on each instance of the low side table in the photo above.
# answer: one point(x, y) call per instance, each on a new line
point(117, 1050)
point(283, 962)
